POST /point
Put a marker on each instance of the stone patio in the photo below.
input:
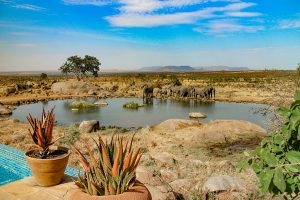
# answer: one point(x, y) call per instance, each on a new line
point(27, 189)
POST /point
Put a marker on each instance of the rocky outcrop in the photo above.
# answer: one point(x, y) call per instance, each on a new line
point(227, 131)
point(176, 124)
point(72, 87)
point(89, 126)
point(224, 183)
point(197, 115)
point(4, 110)
point(101, 103)
point(159, 189)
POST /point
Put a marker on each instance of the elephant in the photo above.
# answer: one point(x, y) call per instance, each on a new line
point(186, 91)
point(199, 93)
point(175, 91)
point(147, 92)
point(165, 91)
point(209, 92)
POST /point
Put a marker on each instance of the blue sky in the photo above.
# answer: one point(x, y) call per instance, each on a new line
point(129, 34)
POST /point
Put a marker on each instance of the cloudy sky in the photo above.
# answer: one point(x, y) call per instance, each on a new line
point(129, 34)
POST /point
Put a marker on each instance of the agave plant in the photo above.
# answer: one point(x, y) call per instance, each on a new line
point(41, 131)
point(109, 171)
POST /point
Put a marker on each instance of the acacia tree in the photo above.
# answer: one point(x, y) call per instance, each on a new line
point(80, 67)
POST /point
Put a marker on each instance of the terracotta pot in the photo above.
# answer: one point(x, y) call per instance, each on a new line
point(137, 192)
point(48, 172)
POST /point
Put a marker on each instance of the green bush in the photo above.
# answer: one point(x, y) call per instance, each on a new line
point(131, 105)
point(277, 159)
point(71, 136)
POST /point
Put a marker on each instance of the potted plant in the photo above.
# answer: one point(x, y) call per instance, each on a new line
point(47, 163)
point(109, 174)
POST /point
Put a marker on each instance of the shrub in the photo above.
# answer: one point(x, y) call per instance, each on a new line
point(71, 136)
point(111, 171)
point(41, 131)
point(80, 105)
point(43, 76)
point(277, 159)
point(131, 105)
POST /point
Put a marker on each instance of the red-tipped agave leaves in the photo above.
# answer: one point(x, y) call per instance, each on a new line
point(42, 130)
point(115, 170)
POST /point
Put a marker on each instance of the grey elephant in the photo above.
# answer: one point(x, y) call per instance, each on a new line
point(199, 93)
point(175, 91)
point(186, 91)
point(209, 92)
point(147, 92)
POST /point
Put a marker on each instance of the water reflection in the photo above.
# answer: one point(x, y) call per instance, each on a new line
point(154, 112)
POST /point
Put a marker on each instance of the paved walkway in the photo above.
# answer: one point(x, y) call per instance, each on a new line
point(27, 189)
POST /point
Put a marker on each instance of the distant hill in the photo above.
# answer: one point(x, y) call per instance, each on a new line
point(168, 68)
point(189, 68)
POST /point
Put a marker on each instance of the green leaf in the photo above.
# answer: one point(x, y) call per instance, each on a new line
point(295, 119)
point(297, 95)
point(256, 168)
point(278, 179)
point(269, 158)
point(284, 112)
point(265, 178)
point(242, 165)
point(293, 156)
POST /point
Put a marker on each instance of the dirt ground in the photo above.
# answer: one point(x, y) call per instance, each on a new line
point(267, 87)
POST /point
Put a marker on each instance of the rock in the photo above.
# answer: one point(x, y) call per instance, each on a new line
point(8, 90)
point(92, 92)
point(226, 132)
point(89, 126)
point(168, 175)
point(164, 158)
point(197, 115)
point(175, 124)
point(4, 110)
point(182, 184)
point(196, 163)
point(224, 183)
point(71, 87)
point(159, 189)
point(101, 103)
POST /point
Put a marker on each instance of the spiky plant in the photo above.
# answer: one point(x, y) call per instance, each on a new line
point(109, 171)
point(41, 131)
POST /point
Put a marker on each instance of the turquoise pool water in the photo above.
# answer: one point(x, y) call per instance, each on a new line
point(13, 165)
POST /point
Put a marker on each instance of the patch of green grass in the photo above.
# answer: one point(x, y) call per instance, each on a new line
point(131, 105)
point(71, 136)
point(81, 105)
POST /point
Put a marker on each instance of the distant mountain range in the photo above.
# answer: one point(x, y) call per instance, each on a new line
point(191, 69)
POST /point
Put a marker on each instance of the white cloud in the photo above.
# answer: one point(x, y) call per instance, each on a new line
point(87, 2)
point(223, 26)
point(243, 14)
point(25, 45)
point(289, 24)
point(29, 7)
point(20, 33)
point(151, 20)
point(141, 6)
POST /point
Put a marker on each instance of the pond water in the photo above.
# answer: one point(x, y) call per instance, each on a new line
point(154, 113)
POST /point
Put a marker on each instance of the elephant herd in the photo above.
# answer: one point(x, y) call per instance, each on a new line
point(208, 92)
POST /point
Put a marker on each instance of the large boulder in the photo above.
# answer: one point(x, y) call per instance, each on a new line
point(89, 126)
point(4, 110)
point(224, 183)
point(197, 115)
point(71, 87)
point(176, 124)
point(227, 131)
point(8, 90)
point(159, 189)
